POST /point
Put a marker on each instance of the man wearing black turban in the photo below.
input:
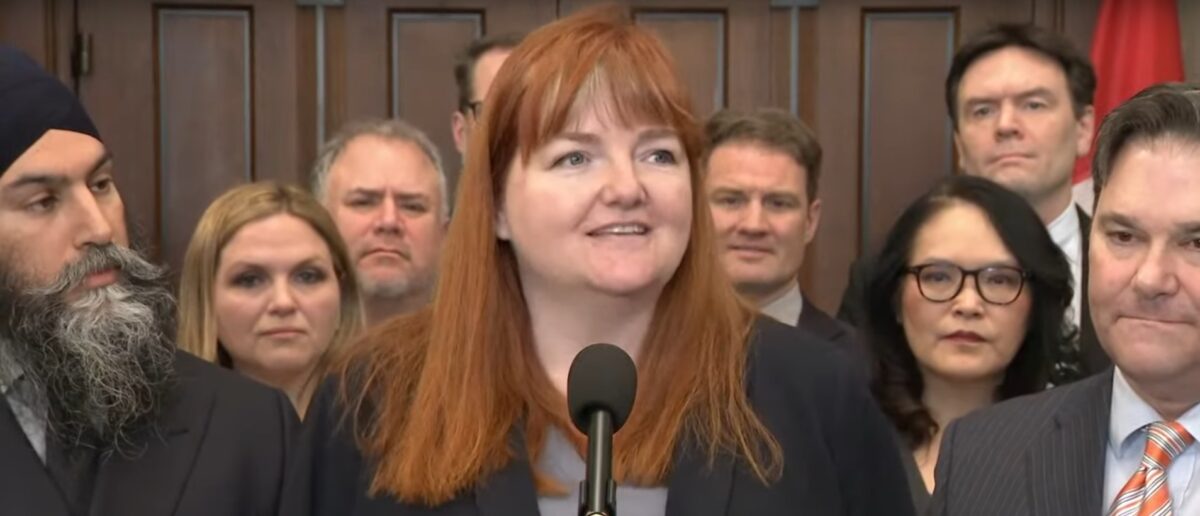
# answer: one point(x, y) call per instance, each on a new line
point(99, 413)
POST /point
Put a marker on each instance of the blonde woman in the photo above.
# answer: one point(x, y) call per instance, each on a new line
point(267, 287)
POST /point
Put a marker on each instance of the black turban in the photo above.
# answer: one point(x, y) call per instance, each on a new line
point(32, 102)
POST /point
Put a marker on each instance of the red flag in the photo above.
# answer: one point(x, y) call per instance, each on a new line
point(1136, 44)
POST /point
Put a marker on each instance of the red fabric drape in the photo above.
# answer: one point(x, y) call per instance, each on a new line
point(1136, 44)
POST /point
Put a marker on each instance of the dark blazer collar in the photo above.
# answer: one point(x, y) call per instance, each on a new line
point(819, 323)
point(510, 490)
point(1066, 465)
point(694, 488)
point(152, 482)
point(1094, 358)
point(697, 487)
point(25, 485)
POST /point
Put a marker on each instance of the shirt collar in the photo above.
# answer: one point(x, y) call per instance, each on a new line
point(786, 309)
point(1064, 230)
point(1130, 414)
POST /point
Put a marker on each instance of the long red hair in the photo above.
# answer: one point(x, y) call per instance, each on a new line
point(437, 393)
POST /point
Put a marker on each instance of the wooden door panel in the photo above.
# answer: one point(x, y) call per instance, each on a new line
point(903, 125)
point(205, 133)
point(697, 41)
point(398, 59)
point(881, 116)
point(191, 98)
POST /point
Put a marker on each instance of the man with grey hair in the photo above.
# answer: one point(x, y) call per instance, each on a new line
point(100, 413)
point(383, 182)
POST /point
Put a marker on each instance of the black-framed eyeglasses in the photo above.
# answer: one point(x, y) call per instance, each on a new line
point(941, 282)
point(475, 109)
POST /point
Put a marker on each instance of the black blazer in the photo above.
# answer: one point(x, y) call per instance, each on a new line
point(1091, 360)
point(1036, 455)
point(817, 322)
point(221, 452)
point(840, 457)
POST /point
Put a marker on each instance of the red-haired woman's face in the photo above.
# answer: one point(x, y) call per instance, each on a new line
point(600, 207)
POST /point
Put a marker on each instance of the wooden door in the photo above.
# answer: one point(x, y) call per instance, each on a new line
point(44, 29)
point(395, 58)
point(881, 115)
point(196, 96)
point(191, 98)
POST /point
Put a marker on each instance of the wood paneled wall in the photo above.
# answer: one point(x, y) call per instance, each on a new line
point(194, 96)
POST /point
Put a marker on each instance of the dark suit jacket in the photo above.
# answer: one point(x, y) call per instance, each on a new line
point(1037, 455)
point(840, 457)
point(817, 322)
point(1092, 358)
point(221, 452)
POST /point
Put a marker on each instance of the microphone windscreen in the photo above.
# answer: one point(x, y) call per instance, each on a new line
point(602, 377)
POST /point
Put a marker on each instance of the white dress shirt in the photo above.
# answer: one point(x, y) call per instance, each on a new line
point(1064, 230)
point(786, 309)
point(1127, 443)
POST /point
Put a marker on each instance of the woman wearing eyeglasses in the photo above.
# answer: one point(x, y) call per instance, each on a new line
point(966, 304)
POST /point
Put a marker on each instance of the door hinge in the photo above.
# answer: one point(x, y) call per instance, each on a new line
point(81, 55)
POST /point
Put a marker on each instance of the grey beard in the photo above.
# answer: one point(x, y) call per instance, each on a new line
point(99, 367)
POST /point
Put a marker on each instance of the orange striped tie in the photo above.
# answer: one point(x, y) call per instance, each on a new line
point(1146, 492)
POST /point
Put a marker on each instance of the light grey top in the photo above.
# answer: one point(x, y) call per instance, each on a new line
point(31, 423)
point(787, 308)
point(560, 460)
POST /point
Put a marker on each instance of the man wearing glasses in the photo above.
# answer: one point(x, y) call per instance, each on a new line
point(473, 74)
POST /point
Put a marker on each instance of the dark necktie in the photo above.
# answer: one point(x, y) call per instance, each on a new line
point(74, 471)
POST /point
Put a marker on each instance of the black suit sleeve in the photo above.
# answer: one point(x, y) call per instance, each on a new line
point(868, 460)
point(327, 476)
point(852, 308)
point(938, 506)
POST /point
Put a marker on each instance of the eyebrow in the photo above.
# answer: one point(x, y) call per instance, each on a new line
point(1034, 92)
point(57, 180)
point(378, 192)
point(654, 133)
point(315, 259)
point(585, 138)
point(1118, 219)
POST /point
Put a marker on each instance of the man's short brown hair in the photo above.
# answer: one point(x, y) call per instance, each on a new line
point(775, 129)
point(464, 65)
point(1169, 110)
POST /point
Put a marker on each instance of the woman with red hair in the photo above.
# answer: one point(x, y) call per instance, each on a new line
point(581, 219)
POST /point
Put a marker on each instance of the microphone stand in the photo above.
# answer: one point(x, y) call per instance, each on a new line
point(598, 492)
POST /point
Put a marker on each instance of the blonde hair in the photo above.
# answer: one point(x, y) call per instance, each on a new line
point(233, 210)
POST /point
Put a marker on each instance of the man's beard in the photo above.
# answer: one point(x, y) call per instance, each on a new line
point(99, 367)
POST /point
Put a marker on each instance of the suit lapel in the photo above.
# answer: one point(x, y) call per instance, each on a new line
point(25, 486)
point(510, 490)
point(1094, 357)
point(697, 488)
point(152, 482)
point(815, 321)
point(1066, 467)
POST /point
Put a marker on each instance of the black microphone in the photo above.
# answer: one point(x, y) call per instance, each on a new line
point(600, 390)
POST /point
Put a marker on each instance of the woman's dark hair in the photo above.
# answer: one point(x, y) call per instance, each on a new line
point(898, 384)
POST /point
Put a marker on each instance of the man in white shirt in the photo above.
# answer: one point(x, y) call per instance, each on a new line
point(1020, 99)
point(1122, 442)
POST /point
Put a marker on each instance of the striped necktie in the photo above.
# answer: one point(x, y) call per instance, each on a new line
point(1145, 494)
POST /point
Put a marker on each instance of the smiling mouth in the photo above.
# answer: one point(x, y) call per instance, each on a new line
point(626, 229)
